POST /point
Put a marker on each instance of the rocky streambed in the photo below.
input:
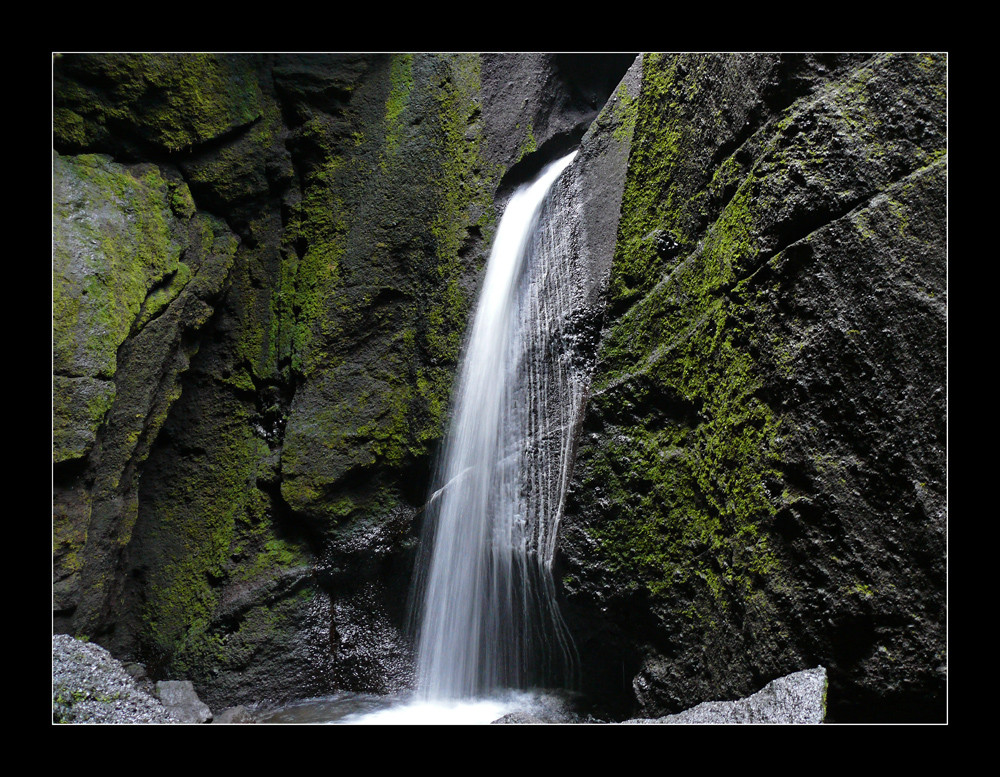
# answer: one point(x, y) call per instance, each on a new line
point(90, 686)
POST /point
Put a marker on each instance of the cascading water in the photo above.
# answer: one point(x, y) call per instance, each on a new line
point(484, 599)
point(488, 619)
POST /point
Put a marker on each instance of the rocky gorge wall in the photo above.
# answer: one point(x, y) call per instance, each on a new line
point(263, 267)
point(760, 481)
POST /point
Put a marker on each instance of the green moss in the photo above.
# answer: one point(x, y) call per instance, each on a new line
point(162, 295)
point(651, 198)
point(71, 128)
point(256, 551)
point(116, 249)
point(79, 408)
point(171, 100)
point(181, 201)
point(266, 627)
point(529, 145)
point(376, 284)
point(461, 187)
point(193, 524)
point(862, 590)
point(433, 388)
point(311, 283)
point(64, 699)
point(69, 538)
point(726, 176)
point(112, 243)
point(682, 470)
point(687, 487)
point(625, 111)
point(401, 84)
point(213, 528)
point(387, 435)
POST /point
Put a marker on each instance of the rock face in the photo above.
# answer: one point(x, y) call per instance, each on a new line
point(136, 273)
point(263, 269)
point(759, 481)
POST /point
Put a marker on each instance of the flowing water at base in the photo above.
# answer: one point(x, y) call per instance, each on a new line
point(406, 710)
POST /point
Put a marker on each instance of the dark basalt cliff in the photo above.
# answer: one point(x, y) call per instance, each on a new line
point(263, 268)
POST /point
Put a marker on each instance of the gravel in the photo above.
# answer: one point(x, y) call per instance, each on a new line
point(90, 686)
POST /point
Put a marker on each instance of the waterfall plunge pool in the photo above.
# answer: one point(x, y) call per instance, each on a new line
point(406, 709)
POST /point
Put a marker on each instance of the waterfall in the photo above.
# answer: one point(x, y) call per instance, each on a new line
point(488, 618)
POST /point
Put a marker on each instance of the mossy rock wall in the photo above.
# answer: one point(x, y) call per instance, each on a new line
point(136, 272)
point(760, 479)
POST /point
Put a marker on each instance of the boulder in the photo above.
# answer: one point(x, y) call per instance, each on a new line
point(181, 700)
point(794, 699)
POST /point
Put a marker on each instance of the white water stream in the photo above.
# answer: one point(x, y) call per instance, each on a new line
point(489, 627)
point(488, 618)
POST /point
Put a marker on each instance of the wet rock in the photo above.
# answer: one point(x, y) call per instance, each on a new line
point(238, 714)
